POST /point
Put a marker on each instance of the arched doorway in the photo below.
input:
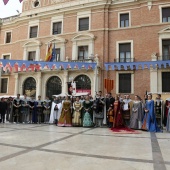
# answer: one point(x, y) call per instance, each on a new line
point(83, 84)
point(54, 86)
point(29, 87)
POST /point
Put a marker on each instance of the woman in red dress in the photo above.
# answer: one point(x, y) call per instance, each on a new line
point(118, 119)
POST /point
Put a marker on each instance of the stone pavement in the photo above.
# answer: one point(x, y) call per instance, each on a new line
point(47, 147)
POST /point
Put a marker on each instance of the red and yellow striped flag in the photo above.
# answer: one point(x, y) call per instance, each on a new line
point(49, 53)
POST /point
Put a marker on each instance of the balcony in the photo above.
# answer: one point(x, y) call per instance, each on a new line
point(123, 60)
point(165, 57)
point(88, 60)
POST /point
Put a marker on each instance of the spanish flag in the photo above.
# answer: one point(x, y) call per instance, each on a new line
point(49, 53)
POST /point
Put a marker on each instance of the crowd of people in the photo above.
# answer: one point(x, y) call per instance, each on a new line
point(113, 112)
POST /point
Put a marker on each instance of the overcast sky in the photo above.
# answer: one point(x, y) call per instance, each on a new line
point(10, 8)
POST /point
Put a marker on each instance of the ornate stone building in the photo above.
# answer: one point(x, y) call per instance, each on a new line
point(118, 32)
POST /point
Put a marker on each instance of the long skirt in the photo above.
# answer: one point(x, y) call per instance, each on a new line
point(168, 122)
point(76, 121)
point(87, 121)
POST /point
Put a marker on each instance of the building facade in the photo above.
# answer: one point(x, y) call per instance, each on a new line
point(112, 31)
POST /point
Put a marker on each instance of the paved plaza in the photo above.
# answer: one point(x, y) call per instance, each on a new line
point(47, 147)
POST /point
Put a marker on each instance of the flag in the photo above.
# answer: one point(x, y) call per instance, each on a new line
point(6, 1)
point(49, 53)
point(53, 58)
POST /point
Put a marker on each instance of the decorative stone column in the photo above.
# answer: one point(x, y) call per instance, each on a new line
point(38, 85)
point(154, 80)
point(65, 86)
point(16, 84)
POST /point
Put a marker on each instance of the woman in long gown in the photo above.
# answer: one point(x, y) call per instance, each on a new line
point(168, 118)
point(137, 114)
point(117, 110)
point(149, 121)
point(76, 120)
point(65, 118)
point(87, 113)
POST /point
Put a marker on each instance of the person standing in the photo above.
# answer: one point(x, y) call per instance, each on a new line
point(87, 111)
point(126, 110)
point(76, 119)
point(65, 117)
point(109, 100)
point(47, 108)
point(168, 118)
point(110, 116)
point(3, 109)
point(149, 121)
point(32, 109)
point(25, 109)
point(159, 110)
point(17, 109)
point(137, 114)
point(38, 110)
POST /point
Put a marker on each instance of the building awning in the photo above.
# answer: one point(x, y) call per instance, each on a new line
point(137, 65)
point(40, 65)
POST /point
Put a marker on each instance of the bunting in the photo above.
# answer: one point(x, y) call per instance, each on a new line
point(6, 1)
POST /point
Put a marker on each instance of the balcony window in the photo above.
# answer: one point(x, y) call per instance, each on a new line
point(125, 52)
point(33, 32)
point(6, 57)
point(125, 83)
point(57, 28)
point(166, 14)
point(83, 24)
point(166, 49)
point(165, 81)
point(31, 56)
point(82, 52)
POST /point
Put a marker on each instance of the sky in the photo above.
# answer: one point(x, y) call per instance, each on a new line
point(10, 8)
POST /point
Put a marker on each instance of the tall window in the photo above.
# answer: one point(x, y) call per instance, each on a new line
point(82, 52)
point(125, 52)
point(165, 81)
point(124, 20)
point(57, 28)
point(33, 31)
point(4, 85)
point(166, 14)
point(124, 83)
point(8, 37)
point(83, 24)
point(31, 55)
point(6, 57)
point(166, 49)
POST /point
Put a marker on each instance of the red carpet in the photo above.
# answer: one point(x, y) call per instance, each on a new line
point(124, 130)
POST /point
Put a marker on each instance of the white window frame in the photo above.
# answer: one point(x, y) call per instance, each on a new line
point(33, 24)
point(6, 36)
point(2, 57)
point(83, 14)
point(124, 12)
point(160, 12)
point(54, 20)
point(132, 80)
point(123, 42)
point(7, 84)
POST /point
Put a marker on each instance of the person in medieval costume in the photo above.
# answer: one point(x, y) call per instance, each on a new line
point(25, 109)
point(76, 118)
point(47, 109)
point(98, 107)
point(17, 109)
point(87, 111)
point(110, 116)
point(159, 109)
point(55, 110)
point(168, 118)
point(137, 114)
point(109, 100)
point(166, 110)
point(38, 110)
point(10, 109)
point(149, 121)
point(65, 117)
point(127, 110)
point(32, 109)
